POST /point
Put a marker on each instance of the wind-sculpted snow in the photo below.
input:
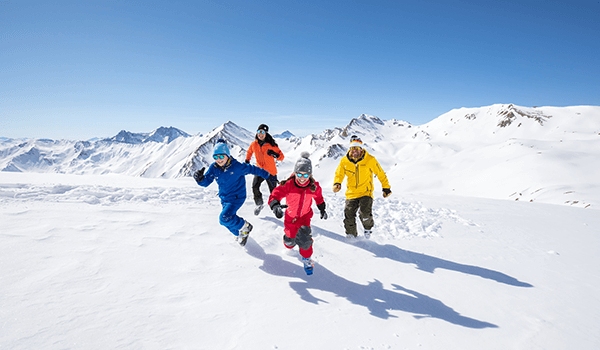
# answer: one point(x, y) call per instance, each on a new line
point(395, 219)
point(104, 195)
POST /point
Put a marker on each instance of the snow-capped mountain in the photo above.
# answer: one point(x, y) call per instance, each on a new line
point(284, 135)
point(546, 154)
point(237, 138)
point(162, 135)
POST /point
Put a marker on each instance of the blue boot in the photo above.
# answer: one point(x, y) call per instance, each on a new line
point(308, 266)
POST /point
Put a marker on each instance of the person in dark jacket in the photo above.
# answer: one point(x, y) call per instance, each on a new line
point(299, 190)
point(230, 177)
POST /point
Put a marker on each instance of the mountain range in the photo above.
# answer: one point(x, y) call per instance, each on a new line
point(547, 154)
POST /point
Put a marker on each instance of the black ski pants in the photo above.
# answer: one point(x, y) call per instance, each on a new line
point(258, 199)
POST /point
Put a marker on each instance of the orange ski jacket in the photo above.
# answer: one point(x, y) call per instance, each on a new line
point(263, 160)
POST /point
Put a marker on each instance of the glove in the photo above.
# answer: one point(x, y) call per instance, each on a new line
point(277, 208)
point(386, 192)
point(337, 187)
point(324, 215)
point(270, 152)
point(247, 161)
point(199, 175)
point(322, 210)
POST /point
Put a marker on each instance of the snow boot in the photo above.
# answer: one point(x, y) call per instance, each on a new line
point(368, 233)
point(258, 208)
point(244, 232)
point(308, 265)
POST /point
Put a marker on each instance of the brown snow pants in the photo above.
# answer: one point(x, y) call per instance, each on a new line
point(364, 206)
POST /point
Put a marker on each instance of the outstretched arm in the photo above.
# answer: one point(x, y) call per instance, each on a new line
point(203, 179)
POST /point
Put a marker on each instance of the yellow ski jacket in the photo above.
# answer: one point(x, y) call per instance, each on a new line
point(360, 175)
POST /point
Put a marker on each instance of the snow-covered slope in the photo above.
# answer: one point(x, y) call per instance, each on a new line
point(119, 262)
point(503, 151)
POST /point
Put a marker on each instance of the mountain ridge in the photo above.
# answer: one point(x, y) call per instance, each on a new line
point(454, 153)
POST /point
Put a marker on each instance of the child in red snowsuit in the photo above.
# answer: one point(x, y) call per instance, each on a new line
point(299, 190)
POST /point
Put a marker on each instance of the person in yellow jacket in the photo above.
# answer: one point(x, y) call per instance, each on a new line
point(359, 166)
point(266, 152)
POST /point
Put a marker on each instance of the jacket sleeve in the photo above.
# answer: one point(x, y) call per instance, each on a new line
point(378, 171)
point(319, 200)
point(254, 170)
point(250, 151)
point(339, 173)
point(281, 156)
point(278, 194)
point(209, 176)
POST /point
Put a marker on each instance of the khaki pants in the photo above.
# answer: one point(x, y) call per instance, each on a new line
point(364, 206)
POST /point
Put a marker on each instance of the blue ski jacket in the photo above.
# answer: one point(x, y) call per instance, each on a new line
point(231, 179)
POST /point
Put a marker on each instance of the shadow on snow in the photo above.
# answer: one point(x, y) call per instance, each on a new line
point(423, 262)
point(378, 300)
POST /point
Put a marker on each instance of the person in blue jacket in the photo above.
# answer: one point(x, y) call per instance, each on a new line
point(230, 176)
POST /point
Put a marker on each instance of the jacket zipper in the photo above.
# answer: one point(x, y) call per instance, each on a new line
point(300, 206)
point(260, 154)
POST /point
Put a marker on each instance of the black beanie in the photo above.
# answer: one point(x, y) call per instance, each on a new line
point(263, 127)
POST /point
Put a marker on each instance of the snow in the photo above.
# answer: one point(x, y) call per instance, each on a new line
point(106, 260)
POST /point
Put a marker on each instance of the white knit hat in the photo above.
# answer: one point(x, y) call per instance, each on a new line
point(355, 141)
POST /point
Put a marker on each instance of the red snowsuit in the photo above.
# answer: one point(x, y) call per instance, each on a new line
point(299, 201)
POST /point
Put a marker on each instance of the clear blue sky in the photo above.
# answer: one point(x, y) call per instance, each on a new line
point(81, 69)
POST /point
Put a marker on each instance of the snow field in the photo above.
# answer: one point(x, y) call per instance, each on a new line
point(95, 262)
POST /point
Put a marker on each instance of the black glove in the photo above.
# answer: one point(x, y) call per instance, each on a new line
point(199, 175)
point(322, 210)
point(272, 153)
point(386, 192)
point(277, 208)
point(247, 161)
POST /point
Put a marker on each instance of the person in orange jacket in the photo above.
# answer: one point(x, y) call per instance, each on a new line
point(265, 152)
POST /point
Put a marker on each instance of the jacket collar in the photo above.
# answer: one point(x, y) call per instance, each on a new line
point(227, 165)
point(364, 153)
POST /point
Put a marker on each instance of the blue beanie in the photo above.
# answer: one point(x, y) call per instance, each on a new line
point(221, 148)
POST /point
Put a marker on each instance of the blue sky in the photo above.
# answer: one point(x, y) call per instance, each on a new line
point(83, 69)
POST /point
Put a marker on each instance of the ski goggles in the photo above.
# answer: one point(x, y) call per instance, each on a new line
point(302, 175)
point(355, 148)
point(219, 156)
point(260, 131)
